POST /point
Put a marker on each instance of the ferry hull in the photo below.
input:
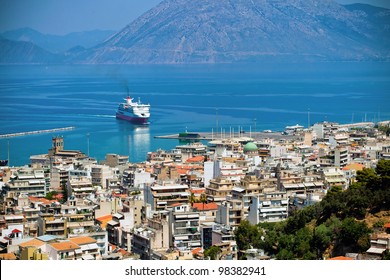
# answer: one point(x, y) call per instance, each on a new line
point(134, 120)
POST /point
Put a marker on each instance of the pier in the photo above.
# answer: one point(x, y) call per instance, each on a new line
point(208, 136)
point(9, 135)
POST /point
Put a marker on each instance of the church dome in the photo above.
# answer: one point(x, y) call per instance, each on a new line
point(250, 147)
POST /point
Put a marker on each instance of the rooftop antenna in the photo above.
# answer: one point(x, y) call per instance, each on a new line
point(216, 121)
point(88, 143)
point(8, 155)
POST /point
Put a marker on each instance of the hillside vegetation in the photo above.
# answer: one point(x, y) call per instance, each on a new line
point(342, 222)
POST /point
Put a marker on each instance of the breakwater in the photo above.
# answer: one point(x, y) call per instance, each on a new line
point(9, 135)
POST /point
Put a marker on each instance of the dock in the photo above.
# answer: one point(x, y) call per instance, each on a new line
point(209, 136)
point(9, 135)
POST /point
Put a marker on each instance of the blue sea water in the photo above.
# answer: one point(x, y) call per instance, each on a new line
point(196, 98)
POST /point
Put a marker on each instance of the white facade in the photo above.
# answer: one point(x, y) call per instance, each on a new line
point(269, 207)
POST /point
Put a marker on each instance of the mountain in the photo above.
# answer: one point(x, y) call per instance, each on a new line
point(25, 52)
point(57, 43)
point(225, 31)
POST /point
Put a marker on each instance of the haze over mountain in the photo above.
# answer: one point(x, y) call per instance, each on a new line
point(56, 43)
point(208, 31)
point(22, 52)
point(225, 31)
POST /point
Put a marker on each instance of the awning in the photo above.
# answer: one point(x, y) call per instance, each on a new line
point(376, 250)
point(88, 257)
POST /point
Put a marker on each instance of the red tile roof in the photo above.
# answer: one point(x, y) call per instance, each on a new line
point(196, 159)
point(196, 251)
point(65, 246)
point(176, 204)
point(8, 256)
point(41, 199)
point(104, 218)
point(340, 258)
point(205, 207)
point(354, 166)
point(32, 243)
point(82, 240)
point(198, 191)
point(122, 251)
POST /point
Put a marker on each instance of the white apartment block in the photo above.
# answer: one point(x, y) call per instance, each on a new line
point(268, 207)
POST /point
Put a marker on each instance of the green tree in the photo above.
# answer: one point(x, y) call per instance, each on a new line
point(51, 195)
point(247, 236)
point(203, 199)
point(383, 167)
point(386, 255)
point(322, 238)
point(285, 254)
point(192, 199)
point(302, 243)
point(335, 190)
point(354, 233)
point(212, 252)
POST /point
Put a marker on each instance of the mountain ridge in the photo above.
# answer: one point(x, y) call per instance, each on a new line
point(226, 31)
point(58, 43)
point(183, 31)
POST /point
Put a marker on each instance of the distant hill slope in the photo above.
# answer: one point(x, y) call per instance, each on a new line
point(224, 31)
point(12, 52)
point(57, 43)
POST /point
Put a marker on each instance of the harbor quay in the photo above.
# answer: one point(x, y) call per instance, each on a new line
point(209, 136)
point(185, 203)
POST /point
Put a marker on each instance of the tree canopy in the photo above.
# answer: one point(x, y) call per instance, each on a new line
point(333, 226)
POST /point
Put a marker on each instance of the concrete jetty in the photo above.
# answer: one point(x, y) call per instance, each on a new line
point(208, 136)
point(9, 135)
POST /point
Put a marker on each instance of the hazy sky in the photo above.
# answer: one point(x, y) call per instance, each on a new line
point(65, 16)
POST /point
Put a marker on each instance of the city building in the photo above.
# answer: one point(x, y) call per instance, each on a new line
point(268, 207)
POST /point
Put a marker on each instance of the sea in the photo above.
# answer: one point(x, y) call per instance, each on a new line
point(193, 98)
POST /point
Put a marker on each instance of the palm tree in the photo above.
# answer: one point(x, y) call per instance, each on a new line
point(192, 199)
point(203, 199)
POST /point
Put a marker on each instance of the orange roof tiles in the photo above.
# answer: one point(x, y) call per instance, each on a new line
point(104, 218)
point(7, 256)
point(41, 199)
point(354, 166)
point(341, 258)
point(176, 204)
point(196, 159)
point(32, 243)
point(81, 240)
point(119, 195)
point(205, 207)
point(387, 225)
point(122, 251)
point(196, 251)
point(65, 246)
point(198, 191)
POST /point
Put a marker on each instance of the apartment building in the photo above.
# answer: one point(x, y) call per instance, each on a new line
point(218, 189)
point(230, 212)
point(268, 207)
point(161, 197)
point(30, 181)
point(147, 241)
point(184, 228)
point(80, 187)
